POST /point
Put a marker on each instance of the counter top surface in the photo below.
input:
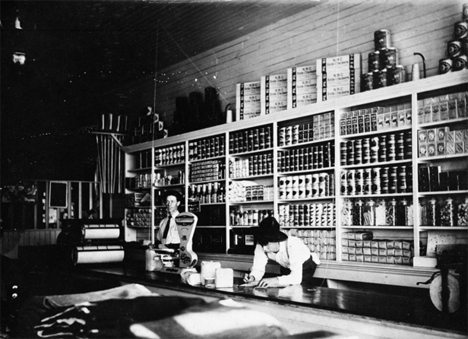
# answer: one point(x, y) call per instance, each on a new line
point(410, 310)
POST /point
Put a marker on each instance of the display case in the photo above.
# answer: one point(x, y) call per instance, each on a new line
point(348, 176)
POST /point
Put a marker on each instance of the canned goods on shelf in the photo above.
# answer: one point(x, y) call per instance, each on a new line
point(359, 177)
point(388, 57)
point(382, 39)
point(454, 48)
point(373, 61)
point(398, 75)
point(366, 151)
point(350, 157)
point(351, 184)
point(368, 81)
point(374, 149)
point(380, 78)
point(460, 30)
point(460, 62)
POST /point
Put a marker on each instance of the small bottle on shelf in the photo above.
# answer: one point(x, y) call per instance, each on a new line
point(214, 192)
point(431, 213)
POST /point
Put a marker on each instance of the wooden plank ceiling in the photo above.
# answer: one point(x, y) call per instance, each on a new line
point(120, 40)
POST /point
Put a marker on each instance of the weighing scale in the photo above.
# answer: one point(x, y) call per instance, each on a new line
point(186, 223)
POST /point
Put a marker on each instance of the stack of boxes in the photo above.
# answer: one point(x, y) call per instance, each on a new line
point(338, 77)
point(206, 170)
point(440, 141)
point(321, 242)
point(360, 246)
point(248, 103)
point(375, 119)
point(249, 191)
point(273, 90)
point(302, 86)
point(444, 107)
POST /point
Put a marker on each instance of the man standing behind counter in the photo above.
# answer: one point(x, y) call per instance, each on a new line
point(168, 235)
point(297, 264)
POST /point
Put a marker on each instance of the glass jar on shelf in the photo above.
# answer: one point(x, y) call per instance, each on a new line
point(346, 213)
point(390, 213)
point(380, 208)
point(357, 213)
point(369, 213)
point(447, 213)
point(462, 213)
point(422, 213)
point(401, 213)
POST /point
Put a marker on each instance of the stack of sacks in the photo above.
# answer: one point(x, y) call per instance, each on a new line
point(338, 76)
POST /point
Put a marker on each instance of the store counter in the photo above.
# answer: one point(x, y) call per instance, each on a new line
point(310, 308)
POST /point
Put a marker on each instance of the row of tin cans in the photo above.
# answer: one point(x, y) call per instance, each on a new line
point(384, 148)
point(383, 58)
point(457, 50)
point(376, 180)
point(391, 75)
point(458, 63)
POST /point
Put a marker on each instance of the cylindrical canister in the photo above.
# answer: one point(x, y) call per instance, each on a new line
point(401, 179)
point(460, 62)
point(380, 78)
point(343, 153)
point(367, 176)
point(373, 61)
point(382, 39)
point(384, 180)
point(445, 65)
point(464, 43)
point(350, 158)
point(344, 182)
point(460, 30)
point(375, 174)
point(398, 75)
point(359, 178)
point(351, 184)
point(365, 150)
point(400, 146)
point(392, 179)
point(391, 151)
point(388, 57)
point(454, 48)
point(382, 148)
point(281, 136)
point(368, 81)
point(374, 149)
point(357, 151)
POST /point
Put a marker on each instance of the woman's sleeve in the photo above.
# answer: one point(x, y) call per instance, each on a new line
point(259, 263)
